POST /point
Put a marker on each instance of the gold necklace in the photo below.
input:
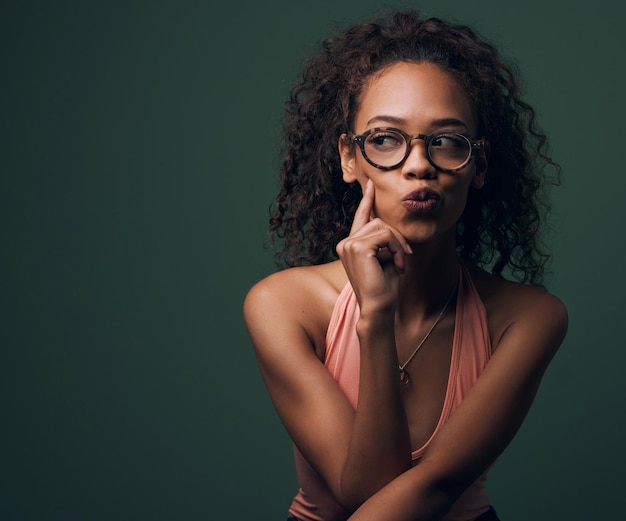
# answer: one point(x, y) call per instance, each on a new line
point(404, 375)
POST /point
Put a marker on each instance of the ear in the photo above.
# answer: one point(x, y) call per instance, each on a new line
point(482, 161)
point(348, 159)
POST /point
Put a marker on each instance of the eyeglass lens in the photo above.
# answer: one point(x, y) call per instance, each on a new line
point(388, 148)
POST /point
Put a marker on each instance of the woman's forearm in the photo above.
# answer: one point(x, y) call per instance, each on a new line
point(380, 447)
point(412, 496)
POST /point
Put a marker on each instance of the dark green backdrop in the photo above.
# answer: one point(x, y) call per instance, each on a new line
point(138, 149)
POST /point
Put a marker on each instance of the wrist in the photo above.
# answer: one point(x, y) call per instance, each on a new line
point(375, 323)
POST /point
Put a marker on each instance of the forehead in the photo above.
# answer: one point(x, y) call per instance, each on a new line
point(419, 94)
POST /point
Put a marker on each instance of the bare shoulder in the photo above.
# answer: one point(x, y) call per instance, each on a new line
point(526, 310)
point(303, 287)
point(301, 297)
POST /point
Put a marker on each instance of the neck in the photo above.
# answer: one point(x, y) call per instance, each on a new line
point(431, 274)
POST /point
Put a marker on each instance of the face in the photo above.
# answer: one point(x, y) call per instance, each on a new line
point(419, 200)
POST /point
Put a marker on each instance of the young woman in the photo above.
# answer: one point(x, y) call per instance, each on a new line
point(403, 369)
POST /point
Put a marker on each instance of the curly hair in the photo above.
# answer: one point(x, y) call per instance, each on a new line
point(500, 226)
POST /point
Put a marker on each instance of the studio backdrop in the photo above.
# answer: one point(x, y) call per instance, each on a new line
point(139, 150)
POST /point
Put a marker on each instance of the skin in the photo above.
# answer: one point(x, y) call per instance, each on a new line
point(402, 266)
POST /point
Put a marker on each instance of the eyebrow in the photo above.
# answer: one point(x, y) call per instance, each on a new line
point(442, 122)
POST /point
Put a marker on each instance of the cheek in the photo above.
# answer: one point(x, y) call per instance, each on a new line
point(385, 196)
point(458, 199)
point(456, 193)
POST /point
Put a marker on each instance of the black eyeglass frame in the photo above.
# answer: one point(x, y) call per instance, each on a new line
point(427, 138)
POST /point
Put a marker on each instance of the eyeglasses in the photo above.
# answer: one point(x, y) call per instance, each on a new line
point(388, 148)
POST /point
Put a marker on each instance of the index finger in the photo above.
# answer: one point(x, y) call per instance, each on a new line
point(363, 213)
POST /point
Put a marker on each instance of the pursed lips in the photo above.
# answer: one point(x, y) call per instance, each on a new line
point(422, 200)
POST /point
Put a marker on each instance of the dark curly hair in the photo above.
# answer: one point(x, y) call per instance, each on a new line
point(500, 226)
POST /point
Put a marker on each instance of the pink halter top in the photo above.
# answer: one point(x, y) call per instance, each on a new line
point(471, 351)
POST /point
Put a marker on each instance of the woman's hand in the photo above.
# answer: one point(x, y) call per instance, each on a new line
point(374, 256)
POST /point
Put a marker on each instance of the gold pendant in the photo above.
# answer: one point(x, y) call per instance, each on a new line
point(404, 377)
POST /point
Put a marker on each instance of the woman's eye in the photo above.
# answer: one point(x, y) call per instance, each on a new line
point(448, 141)
point(385, 141)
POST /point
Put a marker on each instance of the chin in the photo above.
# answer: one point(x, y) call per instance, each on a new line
point(429, 234)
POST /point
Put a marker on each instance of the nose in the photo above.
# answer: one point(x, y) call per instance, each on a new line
point(417, 163)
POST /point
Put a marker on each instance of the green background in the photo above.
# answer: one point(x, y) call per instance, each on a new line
point(138, 157)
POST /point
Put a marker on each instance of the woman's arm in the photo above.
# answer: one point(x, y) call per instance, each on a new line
point(356, 452)
point(373, 256)
point(283, 316)
point(484, 423)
